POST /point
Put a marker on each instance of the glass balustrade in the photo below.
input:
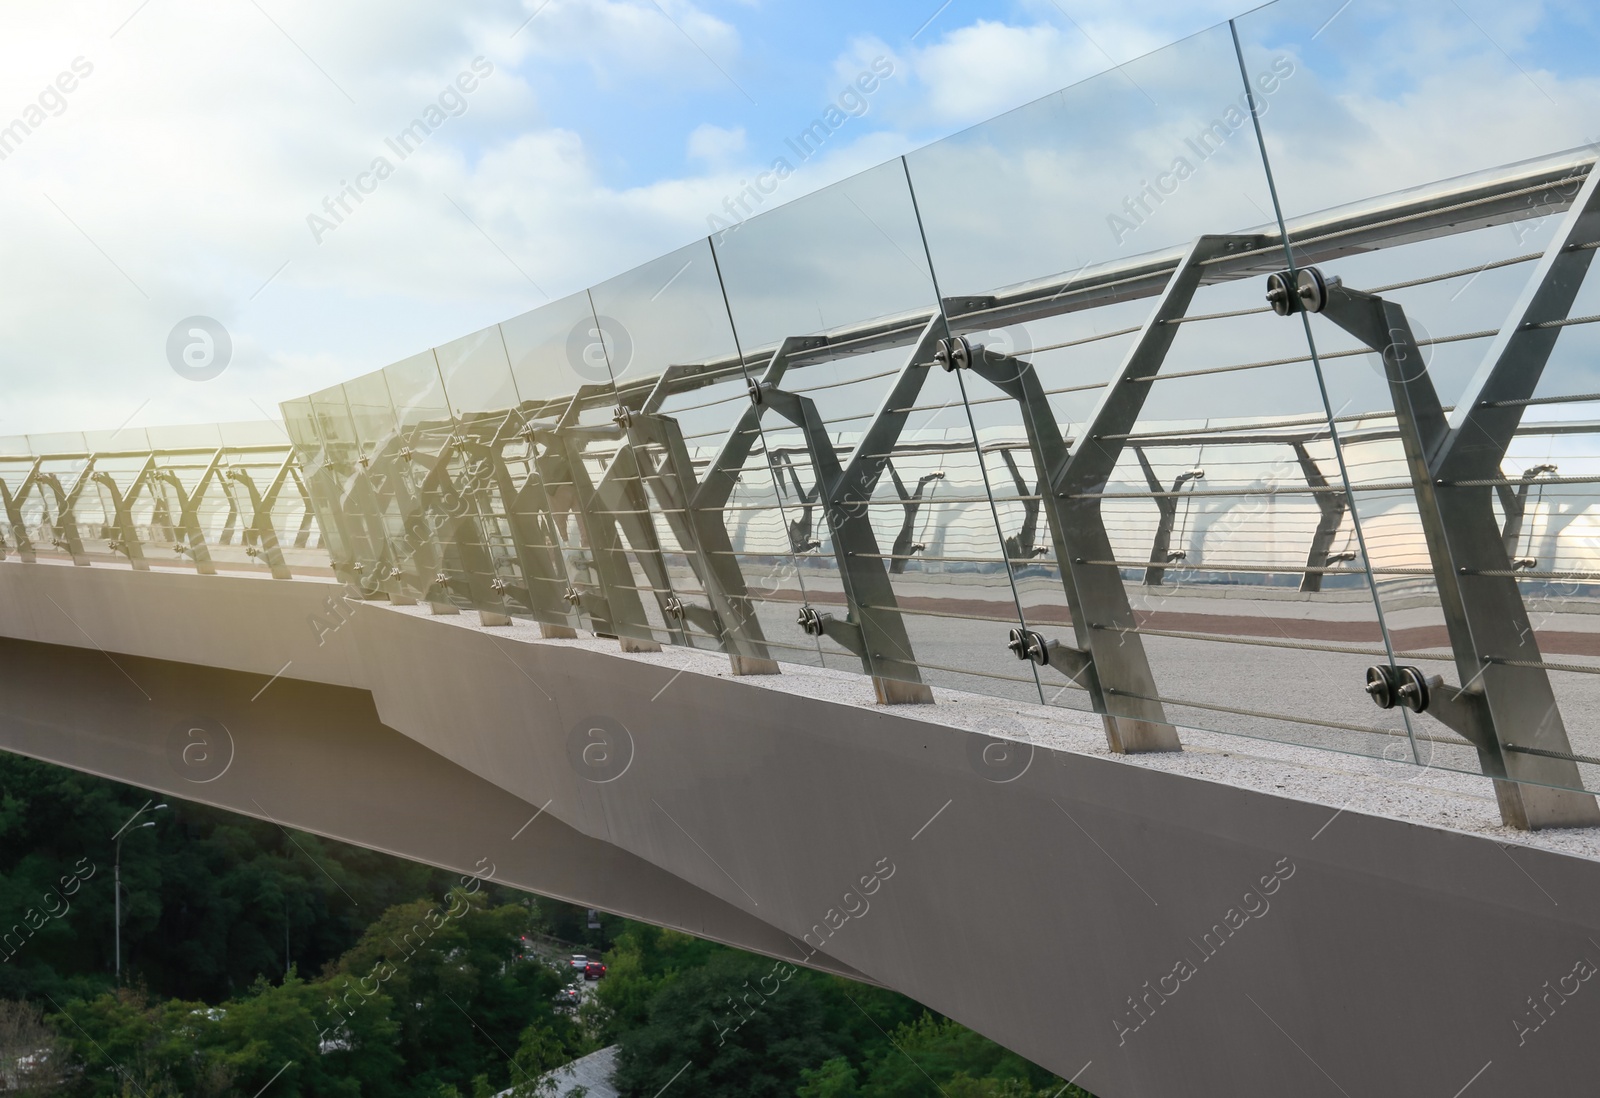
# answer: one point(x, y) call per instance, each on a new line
point(1246, 388)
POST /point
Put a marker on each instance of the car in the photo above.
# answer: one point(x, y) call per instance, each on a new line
point(577, 961)
point(594, 970)
point(568, 998)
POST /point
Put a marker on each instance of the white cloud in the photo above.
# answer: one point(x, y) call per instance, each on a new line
point(714, 144)
point(979, 70)
point(622, 40)
point(193, 153)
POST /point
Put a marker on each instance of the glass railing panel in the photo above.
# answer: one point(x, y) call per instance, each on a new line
point(1441, 265)
point(832, 295)
point(342, 465)
point(554, 349)
point(388, 494)
point(197, 436)
point(1129, 163)
point(695, 469)
point(429, 451)
point(57, 442)
point(1376, 98)
point(476, 371)
point(1184, 490)
point(326, 533)
point(128, 439)
point(251, 433)
point(558, 357)
point(299, 423)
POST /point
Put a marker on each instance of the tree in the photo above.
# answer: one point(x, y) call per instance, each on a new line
point(954, 1058)
point(643, 960)
point(459, 997)
point(122, 1043)
point(209, 897)
point(717, 1031)
point(540, 1053)
point(834, 1079)
point(275, 1036)
point(962, 1085)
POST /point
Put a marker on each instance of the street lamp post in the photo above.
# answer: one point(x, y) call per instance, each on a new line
point(116, 872)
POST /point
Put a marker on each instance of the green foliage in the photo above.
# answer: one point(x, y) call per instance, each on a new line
point(939, 1049)
point(407, 997)
point(541, 1051)
point(419, 1008)
point(933, 1052)
point(643, 960)
point(208, 896)
point(834, 1079)
point(697, 1027)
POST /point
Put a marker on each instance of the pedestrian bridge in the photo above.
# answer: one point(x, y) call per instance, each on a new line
point(1178, 666)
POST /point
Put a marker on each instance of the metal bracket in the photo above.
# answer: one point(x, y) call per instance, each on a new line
point(1463, 711)
point(954, 353)
point(1026, 644)
point(847, 634)
point(1302, 291)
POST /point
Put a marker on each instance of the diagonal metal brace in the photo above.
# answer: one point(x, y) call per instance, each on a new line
point(1453, 463)
point(846, 495)
point(1121, 684)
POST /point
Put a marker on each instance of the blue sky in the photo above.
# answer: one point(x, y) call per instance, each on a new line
point(195, 168)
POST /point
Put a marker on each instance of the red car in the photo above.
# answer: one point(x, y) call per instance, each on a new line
point(594, 970)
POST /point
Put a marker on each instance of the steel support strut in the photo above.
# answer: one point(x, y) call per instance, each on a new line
point(261, 536)
point(1505, 705)
point(845, 494)
point(698, 525)
point(1161, 553)
point(126, 539)
point(1111, 661)
point(1514, 505)
point(65, 535)
point(15, 523)
point(1331, 507)
point(615, 607)
point(526, 509)
point(1101, 615)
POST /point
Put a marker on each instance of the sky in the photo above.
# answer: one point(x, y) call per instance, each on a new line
point(191, 168)
point(221, 160)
